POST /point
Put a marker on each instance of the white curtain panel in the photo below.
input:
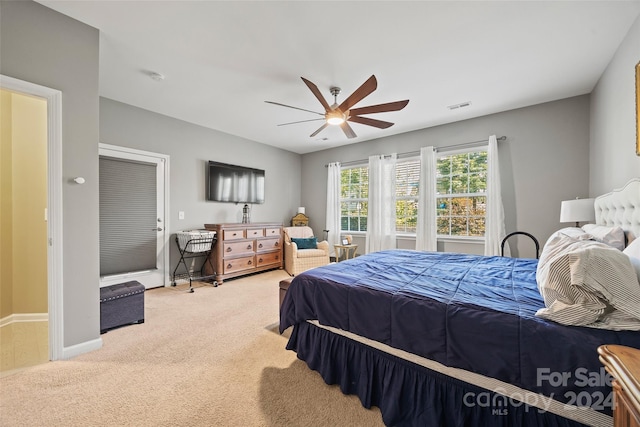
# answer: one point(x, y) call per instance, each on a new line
point(333, 205)
point(381, 219)
point(426, 229)
point(494, 226)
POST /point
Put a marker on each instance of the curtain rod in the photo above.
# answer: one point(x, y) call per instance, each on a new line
point(415, 153)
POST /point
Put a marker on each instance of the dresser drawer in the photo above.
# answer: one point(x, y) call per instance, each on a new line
point(232, 234)
point(238, 264)
point(267, 244)
point(255, 232)
point(275, 232)
point(237, 248)
point(268, 258)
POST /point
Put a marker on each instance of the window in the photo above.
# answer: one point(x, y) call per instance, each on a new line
point(354, 196)
point(461, 185)
point(407, 181)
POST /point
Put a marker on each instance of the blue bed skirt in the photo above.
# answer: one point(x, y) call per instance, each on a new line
point(406, 393)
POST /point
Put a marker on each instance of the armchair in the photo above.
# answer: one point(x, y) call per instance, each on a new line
point(298, 260)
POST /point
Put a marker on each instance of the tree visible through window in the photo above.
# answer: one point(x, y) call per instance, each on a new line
point(461, 185)
point(407, 182)
point(354, 198)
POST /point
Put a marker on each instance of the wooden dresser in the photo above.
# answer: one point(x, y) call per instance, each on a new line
point(623, 363)
point(243, 248)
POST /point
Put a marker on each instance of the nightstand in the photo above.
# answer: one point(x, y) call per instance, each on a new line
point(348, 254)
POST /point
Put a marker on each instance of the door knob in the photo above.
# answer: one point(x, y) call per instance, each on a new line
point(157, 229)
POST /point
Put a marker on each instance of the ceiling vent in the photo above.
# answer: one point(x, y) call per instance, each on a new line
point(461, 105)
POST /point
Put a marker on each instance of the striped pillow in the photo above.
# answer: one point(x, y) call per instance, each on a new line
point(588, 283)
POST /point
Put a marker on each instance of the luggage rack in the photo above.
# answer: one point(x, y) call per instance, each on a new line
point(194, 244)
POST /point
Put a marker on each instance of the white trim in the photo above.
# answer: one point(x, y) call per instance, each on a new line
point(461, 239)
point(78, 349)
point(24, 317)
point(126, 151)
point(54, 206)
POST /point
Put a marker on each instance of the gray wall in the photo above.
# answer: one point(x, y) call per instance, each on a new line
point(190, 147)
point(544, 160)
point(44, 47)
point(613, 120)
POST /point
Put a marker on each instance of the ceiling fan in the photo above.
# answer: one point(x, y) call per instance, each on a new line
point(340, 115)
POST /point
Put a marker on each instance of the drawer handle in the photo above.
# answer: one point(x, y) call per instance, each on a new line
point(277, 256)
point(229, 249)
point(260, 260)
point(248, 246)
point(260, 245)
point(250, 262)
point(276, 244)
point(229, 265)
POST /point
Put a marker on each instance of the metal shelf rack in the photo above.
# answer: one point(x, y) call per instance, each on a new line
point(193, 244)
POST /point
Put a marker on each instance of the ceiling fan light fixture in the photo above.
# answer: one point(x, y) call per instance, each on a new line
point(335, 118)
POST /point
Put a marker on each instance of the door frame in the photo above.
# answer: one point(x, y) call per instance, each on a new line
point(116, 151)
point(54, 206)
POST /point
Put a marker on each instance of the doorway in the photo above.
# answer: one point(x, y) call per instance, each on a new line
point(31, 292)
point(133, 217)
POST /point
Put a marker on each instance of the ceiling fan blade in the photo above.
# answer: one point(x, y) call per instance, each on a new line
point(380, 108)
point(317, 93)
point(371, 122)
point(347, 130)
point(319, 130)
point(365, 89)
point(300, 121)
point(295, 108)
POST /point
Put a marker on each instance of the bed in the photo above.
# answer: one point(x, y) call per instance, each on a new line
point(449, 339)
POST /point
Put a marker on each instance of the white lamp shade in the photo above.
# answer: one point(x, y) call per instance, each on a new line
point(301, 210)
point(578, 210)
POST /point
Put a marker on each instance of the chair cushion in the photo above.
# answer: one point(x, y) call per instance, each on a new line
point(297, 232)
point(311, 253)
point(305, 243)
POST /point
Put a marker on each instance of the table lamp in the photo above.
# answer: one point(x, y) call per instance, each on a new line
point(577, 210)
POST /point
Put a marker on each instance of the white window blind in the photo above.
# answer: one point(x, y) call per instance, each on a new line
point(128, 216)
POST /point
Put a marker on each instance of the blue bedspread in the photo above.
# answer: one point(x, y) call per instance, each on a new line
point(471, 312)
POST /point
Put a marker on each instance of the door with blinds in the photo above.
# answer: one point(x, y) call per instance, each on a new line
point(132, 217)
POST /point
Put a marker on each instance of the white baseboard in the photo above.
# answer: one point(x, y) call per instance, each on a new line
point(78, 349)
point(24, 317)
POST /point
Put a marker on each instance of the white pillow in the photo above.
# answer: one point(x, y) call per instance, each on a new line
point(612, 236)
point(575, 232)
point(633, 252)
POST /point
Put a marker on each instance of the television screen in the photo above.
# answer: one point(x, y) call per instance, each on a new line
point(236, 184)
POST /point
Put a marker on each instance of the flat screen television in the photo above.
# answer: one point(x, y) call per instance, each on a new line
point(234, 184)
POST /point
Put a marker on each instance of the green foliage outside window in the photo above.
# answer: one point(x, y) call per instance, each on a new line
point(461, 184)
point(354, 196)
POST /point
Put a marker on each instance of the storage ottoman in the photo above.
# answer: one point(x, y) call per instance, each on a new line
point(121, 304)
point(284, 285)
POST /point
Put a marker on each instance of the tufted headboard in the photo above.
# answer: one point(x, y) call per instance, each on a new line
point(622, 208)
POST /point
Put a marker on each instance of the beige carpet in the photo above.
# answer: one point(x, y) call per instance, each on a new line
point(210, 358)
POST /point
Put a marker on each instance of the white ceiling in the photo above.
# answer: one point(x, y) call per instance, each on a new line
point(223, 59)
